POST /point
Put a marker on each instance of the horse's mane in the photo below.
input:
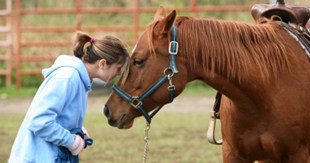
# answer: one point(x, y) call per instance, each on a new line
point(232, 49)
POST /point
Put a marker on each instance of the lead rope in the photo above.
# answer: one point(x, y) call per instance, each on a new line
point(146, 142)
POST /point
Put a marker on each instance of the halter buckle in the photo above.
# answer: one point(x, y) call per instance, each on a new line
point(135, 102)
point(173, 47)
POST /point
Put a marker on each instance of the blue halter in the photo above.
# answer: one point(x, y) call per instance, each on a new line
point(136, 101)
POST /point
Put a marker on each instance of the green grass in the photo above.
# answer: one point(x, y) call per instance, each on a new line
point(13, 92)
point(9, 124)
point(177, 138)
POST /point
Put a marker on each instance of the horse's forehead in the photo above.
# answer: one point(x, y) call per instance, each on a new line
point(141, 43)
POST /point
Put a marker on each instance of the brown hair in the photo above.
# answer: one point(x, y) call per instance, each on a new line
point(110, 48)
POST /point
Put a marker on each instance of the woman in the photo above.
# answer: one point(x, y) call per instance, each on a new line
point(60, 103)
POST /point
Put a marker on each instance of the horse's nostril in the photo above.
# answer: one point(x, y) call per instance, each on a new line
point(106, 111)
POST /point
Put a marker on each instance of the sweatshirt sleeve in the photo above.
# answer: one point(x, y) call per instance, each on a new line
point(46, 106)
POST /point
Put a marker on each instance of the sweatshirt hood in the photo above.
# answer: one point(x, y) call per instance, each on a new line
point(73, 62)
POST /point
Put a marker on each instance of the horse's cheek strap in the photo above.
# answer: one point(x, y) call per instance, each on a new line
point(153, 88)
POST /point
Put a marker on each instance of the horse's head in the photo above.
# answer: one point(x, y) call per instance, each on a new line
point(153, 79)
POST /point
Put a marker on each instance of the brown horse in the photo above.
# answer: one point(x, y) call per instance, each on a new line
point(261, 70)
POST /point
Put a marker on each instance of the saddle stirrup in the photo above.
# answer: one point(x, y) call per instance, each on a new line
point(214, 115)
point(211, 131)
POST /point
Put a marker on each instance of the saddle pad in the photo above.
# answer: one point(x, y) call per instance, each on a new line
point(300, 34)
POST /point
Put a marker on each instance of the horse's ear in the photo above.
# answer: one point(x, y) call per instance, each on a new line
point(160, 13)
point(164, 25)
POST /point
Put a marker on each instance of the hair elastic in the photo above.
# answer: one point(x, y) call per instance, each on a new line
point(91, 40)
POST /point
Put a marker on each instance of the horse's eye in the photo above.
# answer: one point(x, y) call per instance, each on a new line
point(138, 62)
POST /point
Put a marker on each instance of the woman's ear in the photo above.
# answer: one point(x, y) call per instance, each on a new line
point(102, 63)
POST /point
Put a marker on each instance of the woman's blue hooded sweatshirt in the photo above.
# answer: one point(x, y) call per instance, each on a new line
point(58, 106)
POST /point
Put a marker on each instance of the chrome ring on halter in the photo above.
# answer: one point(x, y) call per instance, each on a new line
point(136, 101)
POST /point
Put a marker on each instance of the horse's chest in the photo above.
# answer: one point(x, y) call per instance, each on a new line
point(243, 133)
point(259, 145)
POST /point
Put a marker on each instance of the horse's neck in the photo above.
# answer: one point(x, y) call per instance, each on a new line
point(240, 94)
point(230, 88)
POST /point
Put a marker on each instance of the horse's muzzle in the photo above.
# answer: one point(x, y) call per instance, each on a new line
point(106, 111)
point(115, 123)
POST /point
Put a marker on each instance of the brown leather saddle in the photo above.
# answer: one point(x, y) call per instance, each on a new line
point(293, 18)
point(295, 14)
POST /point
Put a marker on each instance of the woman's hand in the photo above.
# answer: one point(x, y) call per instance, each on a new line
point(78, 145)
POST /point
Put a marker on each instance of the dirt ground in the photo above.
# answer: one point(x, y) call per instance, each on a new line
point(182, 104)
